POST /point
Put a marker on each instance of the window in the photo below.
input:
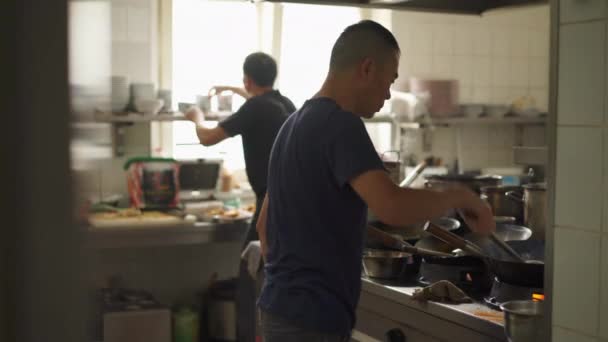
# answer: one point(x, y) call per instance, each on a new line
point(210, 41)
point(309, 32)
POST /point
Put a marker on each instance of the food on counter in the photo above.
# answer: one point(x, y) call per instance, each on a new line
point(132, 217)
point(229, 214)
point(493, 316)
point(250, 208)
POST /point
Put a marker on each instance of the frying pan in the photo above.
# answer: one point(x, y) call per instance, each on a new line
point(513, 272)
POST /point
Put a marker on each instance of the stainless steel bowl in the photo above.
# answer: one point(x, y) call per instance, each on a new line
point(386, 264)
point(513, 232)
point(524, 320)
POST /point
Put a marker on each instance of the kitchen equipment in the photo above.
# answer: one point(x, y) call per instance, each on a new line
point(152, 182)
point(224, 103)
point(221, 311)
point(501, 204)
point(454, 240)
point(165, 95)
point(120, 93)
point(148, 106)
point(133, 316)
point(411, 177)
point(198, 179)
point(535, 207)
point(204, 103)
point(388, 264)
point(506, 247)
point(473, 182)
point(185, 325)
point(528, 274)
point(392, 242)
point(442, 95)
point(414, 232)
point(467, 272)
point(503, 292)
point(524, 320)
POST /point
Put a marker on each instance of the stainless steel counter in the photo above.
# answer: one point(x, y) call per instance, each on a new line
point(183, 234)
point(429, 321)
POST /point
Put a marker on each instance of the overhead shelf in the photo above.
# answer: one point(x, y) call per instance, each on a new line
point(449, 121)
point(130, 117)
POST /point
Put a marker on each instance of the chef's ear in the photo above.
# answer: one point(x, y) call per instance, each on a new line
point(367, 68)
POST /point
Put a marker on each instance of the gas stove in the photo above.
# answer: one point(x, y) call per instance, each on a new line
point(503, 292)
point(469, 274)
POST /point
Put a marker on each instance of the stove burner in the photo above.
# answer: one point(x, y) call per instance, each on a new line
point(503, 292)
point(469, 277)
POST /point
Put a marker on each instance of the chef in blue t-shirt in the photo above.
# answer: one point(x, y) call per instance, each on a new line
point(323, 175)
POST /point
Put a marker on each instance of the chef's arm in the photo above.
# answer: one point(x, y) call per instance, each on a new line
point(206, 136)
point(216, 90)
point(404, 206)
point(210, 136)
point(261, 226)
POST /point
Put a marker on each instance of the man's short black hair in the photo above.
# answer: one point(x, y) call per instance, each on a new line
point(364, 39)
point(261, 69)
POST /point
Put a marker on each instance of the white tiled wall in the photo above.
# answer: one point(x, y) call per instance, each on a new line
point(496, 58)
point(580, 278)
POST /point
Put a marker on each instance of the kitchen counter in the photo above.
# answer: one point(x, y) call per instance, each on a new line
point(154, 235)
point(387, 305)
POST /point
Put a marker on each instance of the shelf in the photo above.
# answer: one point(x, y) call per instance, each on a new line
point(508, 120)
point(139, 117)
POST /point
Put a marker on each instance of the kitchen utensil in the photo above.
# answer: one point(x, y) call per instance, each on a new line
point(204, 103)
point(414, 232)
point(386, 264)
point(148, 106)
point(413, 175)
point(395, 243)
point(224, 103)
point(535, 207)
point(165, 95)
point(524, 320)
point(501, 205)
point(442, 95)
point(506, 247)
point(473, 182)
point(454, 240)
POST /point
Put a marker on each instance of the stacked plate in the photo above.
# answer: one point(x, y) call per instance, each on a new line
point(120, 93)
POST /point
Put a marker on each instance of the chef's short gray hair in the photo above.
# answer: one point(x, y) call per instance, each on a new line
point(364, 39)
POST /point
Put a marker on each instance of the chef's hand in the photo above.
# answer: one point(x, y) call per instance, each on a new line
point(195, 115)
point(476, 213)
point(217, 90)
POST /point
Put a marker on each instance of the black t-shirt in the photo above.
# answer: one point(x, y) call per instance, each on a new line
point(316, 220)
point(258, 121)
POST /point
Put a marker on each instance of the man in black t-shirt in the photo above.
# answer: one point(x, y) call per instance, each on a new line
point(257, 121)
point(324, 173)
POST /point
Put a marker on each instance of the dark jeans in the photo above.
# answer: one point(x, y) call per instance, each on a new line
point(277, 329)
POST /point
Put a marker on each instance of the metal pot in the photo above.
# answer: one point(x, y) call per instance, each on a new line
point(501, 205)
point(535, 207)
point(386, 264)
point(414, 232)
point(475, 183)
point(524, 320)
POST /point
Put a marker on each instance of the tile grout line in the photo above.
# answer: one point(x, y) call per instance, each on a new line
point(579, 229)
point(585, 21)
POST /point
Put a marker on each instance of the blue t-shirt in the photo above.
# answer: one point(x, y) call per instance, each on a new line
point(316, 221)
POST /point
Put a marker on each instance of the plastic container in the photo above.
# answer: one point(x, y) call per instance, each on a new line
point(186, 325)
point(153, 183)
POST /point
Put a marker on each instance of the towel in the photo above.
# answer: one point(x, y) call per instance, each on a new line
point(442, 291)
point(253, 256)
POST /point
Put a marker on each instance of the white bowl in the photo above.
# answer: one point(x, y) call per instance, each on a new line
point(148, 106)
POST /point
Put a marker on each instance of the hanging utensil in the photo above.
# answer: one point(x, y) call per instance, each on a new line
point(413, 175)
